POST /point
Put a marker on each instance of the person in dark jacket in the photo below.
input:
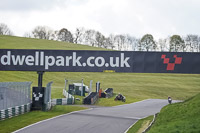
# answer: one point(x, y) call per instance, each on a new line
point(169, 100)
point(119, 97)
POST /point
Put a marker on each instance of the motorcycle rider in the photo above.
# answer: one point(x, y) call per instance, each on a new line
point(169, 99)
point(119, 97)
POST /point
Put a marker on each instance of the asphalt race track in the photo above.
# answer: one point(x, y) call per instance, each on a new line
point(98, 120)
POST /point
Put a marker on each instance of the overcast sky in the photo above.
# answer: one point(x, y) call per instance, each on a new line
point(161, 18)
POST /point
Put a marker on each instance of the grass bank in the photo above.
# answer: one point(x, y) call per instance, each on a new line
point(141, 125)
point(12, 42)
point(179, 118)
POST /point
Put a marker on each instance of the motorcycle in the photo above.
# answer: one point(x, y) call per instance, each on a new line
point(120, 98)
point(169, 100)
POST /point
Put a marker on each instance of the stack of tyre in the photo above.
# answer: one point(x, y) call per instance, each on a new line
point(91, 98)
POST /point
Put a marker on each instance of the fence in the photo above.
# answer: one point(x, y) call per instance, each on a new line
point(14, 94)
point(47, 97)
point(14, 98)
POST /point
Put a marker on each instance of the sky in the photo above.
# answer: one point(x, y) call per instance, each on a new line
point(161, 18)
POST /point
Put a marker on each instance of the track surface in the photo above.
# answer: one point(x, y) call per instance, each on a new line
point(98, 120)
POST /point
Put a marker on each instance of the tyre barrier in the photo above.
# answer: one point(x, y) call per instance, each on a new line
point(14, 111)
point(91, 98)
point(62, 101)
point(68, 100)
point(109, 92)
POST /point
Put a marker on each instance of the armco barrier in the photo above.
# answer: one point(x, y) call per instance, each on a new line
point(14, 111)
point(91, 98)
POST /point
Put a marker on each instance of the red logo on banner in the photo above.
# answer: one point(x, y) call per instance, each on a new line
point(170, 66)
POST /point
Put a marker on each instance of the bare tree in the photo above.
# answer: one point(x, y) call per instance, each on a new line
point(131, 43)
point(43, 32)
point(140, 45)
point(79, 35)
point(120, 41)
point(162, 43)
point(100, 39)
point(4, 30)
point(110, 41)
point(27, 35)
point(65, 35)
point(89, 37)
point(135, 44)
point(191, 42)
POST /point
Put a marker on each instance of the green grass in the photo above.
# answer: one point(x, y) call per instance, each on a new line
point(141, 125)
point(135, 86)
point(11, 42)
point(179, 118)
point(12, 124)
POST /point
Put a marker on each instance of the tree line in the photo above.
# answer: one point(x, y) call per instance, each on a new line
point(123, 42)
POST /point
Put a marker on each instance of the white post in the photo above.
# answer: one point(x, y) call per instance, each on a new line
point(66, 87)
point(82, 88)
point(98, 87)
point(90, 85)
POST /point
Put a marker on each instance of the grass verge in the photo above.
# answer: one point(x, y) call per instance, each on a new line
point(141, 125)
point(15, 123)
point(179, 118)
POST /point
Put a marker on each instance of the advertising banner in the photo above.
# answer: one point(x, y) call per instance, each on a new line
point(98, 61)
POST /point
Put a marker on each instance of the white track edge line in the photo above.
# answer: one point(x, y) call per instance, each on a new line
point(130, 127)
point(131, 103)
point(49, 119)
